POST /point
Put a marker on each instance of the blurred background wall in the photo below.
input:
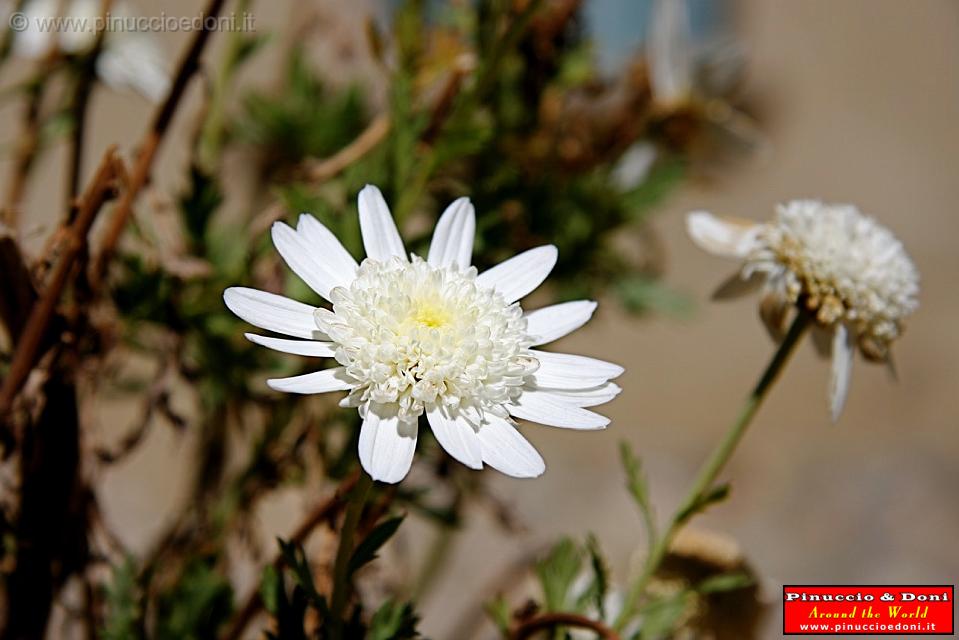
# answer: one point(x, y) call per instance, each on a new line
point(859, 103)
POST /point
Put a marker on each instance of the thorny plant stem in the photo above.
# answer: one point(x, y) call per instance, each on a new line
point(713, 466)
point(341, 577)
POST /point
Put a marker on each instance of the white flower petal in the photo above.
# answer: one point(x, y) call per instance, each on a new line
point(843, 348)
point(521, 274)
point(553, 322)
point(506, 450)
point(328, 248)
point(590, 397)
point(545, 408)
point(722, 236)
point(738, 285)
point(298, 347)
point(334, 379)
point(380, 236)
point(386, 445)
point(567, 371)
point(457, 437)
point(273, 313)
point(452, 242)
point(308, 262)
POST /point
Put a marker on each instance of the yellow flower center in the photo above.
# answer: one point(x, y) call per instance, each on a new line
point(429, 314)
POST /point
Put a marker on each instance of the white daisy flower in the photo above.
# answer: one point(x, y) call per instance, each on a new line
point(849, 272)
point(432, 337)
point(129, 59)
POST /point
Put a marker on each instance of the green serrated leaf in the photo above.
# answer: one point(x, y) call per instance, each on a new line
point(600, 584)
point(366, 551)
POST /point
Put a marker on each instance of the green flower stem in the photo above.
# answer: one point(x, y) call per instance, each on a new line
point(341, 578)
point(703, 486)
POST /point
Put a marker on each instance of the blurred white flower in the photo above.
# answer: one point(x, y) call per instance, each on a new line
point(851, 273)
point(416, 336)
point(129, 59)
point(698, 75)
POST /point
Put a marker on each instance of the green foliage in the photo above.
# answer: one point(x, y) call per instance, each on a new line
point(715, 495)
point(365, 552)
point(662, 616)
point(599, 586)
point(393, 621)
point(124, 612)
point(639, 490)
point(199, 205)
point(301, 120)
point(197, 606)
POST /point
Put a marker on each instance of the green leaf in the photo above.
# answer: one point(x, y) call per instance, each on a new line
point(558, 571)
point(639, 489)
point(393, 620)
point(295, 558)
point(498, 610)
point(661, 617)
point(200, 602)
point(270, 585)
point(711, 497)
point(725, 582)
point(366, 551)
point(600, 585)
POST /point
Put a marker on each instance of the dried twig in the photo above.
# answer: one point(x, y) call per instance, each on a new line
point(322, 170)
point(151, 142)
point(27, 351)
point(527, 628)
point(323, 512)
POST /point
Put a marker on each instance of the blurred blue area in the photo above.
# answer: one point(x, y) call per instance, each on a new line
point(618, 27)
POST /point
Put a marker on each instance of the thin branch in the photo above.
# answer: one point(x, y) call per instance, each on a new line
point(28, 348)
point(323, 512)
point(152, 140)
point(323, 170)
point(528, 628)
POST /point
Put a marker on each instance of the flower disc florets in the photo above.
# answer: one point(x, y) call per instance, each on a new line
point(844, 266)
point(410, 334)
